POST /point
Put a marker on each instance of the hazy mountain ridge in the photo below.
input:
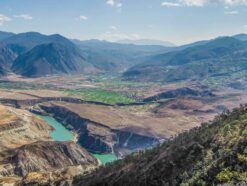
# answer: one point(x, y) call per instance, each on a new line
point(93, 55)
point(223, 55)
point(147, 42)
point(141, 62)
point(117, 56)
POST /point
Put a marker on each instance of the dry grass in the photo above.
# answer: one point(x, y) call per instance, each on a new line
point(144, 123)
point(6, 116)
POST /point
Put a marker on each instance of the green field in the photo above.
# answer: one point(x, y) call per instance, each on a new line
point(99, 95)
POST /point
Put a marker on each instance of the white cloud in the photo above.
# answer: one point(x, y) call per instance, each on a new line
point(24, 16)
point(4, 19)
point(235, 2)
point(245, 26)
point(170, 4)
point(83, 18)
point(110, 2)
point(119, 5)
point(194, 2)
point(200, 3)
point(113, 27)
point(114, 4)
point(234, 12)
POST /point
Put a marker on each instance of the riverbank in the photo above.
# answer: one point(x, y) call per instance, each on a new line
point(60, 133)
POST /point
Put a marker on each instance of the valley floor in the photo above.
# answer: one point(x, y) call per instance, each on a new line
point(108, 115)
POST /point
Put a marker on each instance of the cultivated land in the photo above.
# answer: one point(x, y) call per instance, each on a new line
point(163, 117)
point(115, 115)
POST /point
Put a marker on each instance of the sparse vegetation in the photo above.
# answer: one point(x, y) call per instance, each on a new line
point(212, 154)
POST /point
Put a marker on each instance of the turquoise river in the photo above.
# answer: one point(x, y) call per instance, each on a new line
point(60, 133)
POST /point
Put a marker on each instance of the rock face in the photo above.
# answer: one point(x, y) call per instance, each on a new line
point(49, 156)
point(19, 127)
point(99, 137)
point(213, 154)
point(27, 151)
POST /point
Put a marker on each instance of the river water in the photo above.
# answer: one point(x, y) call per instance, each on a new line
point(60, 133)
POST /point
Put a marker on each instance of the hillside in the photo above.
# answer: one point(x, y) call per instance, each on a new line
point(223, 56)
point(79, 56)
point(6, 59)
point(117, 57)
point(50, 59)
point(26, 149)
point(212, 154)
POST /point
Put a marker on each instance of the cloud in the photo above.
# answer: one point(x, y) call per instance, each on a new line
point(170, 4)
point(24, 16)
point(114, 4)
point(113, 27)
point(110, 2)
point(235, 2)
point(245, 26)
point(234, 12)
point(4, 19)
point(83, 18)
point(200, 3)
point(119, 5)
point(194, 2)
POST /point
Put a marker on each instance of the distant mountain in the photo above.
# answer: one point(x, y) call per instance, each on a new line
point(242, 37)
point(5, 35)
point(50, 59)
point(23, 42)
point(39, 54)
point(213, 154)
point(219, 57)
point(197, 43)
point(116, 57)
point(147, 42)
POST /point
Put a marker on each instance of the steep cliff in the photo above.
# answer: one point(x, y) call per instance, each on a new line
point(48, 157)
point(213, 154)
point(98, 134)
point(28, 153)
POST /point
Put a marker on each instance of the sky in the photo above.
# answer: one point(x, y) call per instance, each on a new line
point(177, 21)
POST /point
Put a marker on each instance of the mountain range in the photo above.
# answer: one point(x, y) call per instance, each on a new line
point(58, 55)
point(33, 54)
point(218, 57)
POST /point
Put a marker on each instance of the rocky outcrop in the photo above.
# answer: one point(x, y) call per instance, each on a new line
point(48, 157)
point(27, 151)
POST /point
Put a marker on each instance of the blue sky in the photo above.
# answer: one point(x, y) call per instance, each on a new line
point(178, 21)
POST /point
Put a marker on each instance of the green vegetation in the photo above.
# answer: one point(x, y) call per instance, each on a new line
point(104, 96)
point(212, 154)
